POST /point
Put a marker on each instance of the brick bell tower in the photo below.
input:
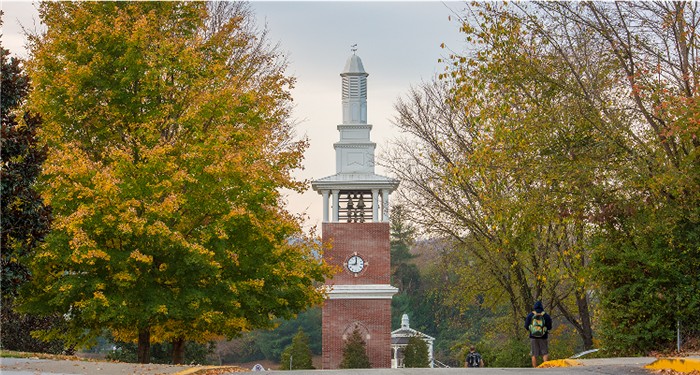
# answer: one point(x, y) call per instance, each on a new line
point(356, 223)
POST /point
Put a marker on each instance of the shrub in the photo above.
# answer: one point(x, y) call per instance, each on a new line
point(416, 353)
point(297, 356)
point(355, 352)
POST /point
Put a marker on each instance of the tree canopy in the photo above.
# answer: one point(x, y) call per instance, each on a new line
point(26, 219)
point(559, 152)
point(169, 141)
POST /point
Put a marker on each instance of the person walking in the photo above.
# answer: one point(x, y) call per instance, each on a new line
point(538, 324)
point(473, 358)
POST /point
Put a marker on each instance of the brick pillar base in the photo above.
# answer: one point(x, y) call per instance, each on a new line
point(371, 316)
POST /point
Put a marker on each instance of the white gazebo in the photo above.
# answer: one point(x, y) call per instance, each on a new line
point(399, 340)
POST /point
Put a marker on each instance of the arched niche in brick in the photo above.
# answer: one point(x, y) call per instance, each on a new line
point(364, 332)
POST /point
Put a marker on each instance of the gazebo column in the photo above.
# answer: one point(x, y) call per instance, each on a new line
point(432, 359)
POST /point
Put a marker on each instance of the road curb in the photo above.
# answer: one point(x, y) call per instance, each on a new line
point(204, 369)
point(675, 364)
point(560, 363)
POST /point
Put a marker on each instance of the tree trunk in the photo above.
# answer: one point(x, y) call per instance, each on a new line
point(178, 351)
point(144, 348)
point(584, 312)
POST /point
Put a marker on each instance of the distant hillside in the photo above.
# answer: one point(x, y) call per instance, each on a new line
point(428, 251)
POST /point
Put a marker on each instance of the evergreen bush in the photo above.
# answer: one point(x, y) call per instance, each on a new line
point(355, 352)
point(416, 353)
point(297, 356)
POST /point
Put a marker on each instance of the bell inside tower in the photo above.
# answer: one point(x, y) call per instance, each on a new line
point(355, 206)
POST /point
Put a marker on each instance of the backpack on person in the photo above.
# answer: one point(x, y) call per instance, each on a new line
point(473, 359)
point(537, 327)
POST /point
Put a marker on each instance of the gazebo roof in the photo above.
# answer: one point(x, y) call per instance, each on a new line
point(401, 335)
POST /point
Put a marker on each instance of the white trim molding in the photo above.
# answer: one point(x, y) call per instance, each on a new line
point(362, 291)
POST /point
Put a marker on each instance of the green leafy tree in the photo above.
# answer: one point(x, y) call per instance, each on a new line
point(297, 356)
point(355, 352)
point(269, 344)
point(26, 219)
point(416, 353)
point(635, 93)
point(169, 142)
point(402, 235)
point(643, 277)
point(404, 274)
point(564, 136)
point(468, 173)
point(272, 343)
point(650, 227)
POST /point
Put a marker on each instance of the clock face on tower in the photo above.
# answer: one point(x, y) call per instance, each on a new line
point(356, 264)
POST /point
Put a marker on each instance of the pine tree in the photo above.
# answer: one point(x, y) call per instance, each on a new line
point(299, 353)
point(402, 236)
point(416, 353)
point(355, 352)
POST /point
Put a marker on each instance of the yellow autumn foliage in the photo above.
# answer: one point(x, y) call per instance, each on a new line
point(140, 257)
point(169, 141)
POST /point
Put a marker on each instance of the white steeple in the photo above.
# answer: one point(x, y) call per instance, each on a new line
point(354, 153)
point(357, 192)
point(354, 91)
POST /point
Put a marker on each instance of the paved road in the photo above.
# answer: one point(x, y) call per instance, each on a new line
point(25, 366)
point(610, 366)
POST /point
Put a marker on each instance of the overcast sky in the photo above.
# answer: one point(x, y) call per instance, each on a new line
point(398, 42)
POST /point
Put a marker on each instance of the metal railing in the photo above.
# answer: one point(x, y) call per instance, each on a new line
point(439, 364)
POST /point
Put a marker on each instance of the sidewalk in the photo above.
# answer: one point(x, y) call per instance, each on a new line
point(684, 364)
point(64, 367)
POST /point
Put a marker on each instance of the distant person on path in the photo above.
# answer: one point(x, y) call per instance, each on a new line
point(538, 324)
point(474, 358)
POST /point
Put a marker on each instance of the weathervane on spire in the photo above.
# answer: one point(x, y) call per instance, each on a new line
point(353, 48)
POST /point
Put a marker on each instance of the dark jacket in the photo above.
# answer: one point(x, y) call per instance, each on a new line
point(547, 320)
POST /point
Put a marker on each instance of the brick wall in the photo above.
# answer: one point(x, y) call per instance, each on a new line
point(369, 240)
point(374, 319)
point(373, 316)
